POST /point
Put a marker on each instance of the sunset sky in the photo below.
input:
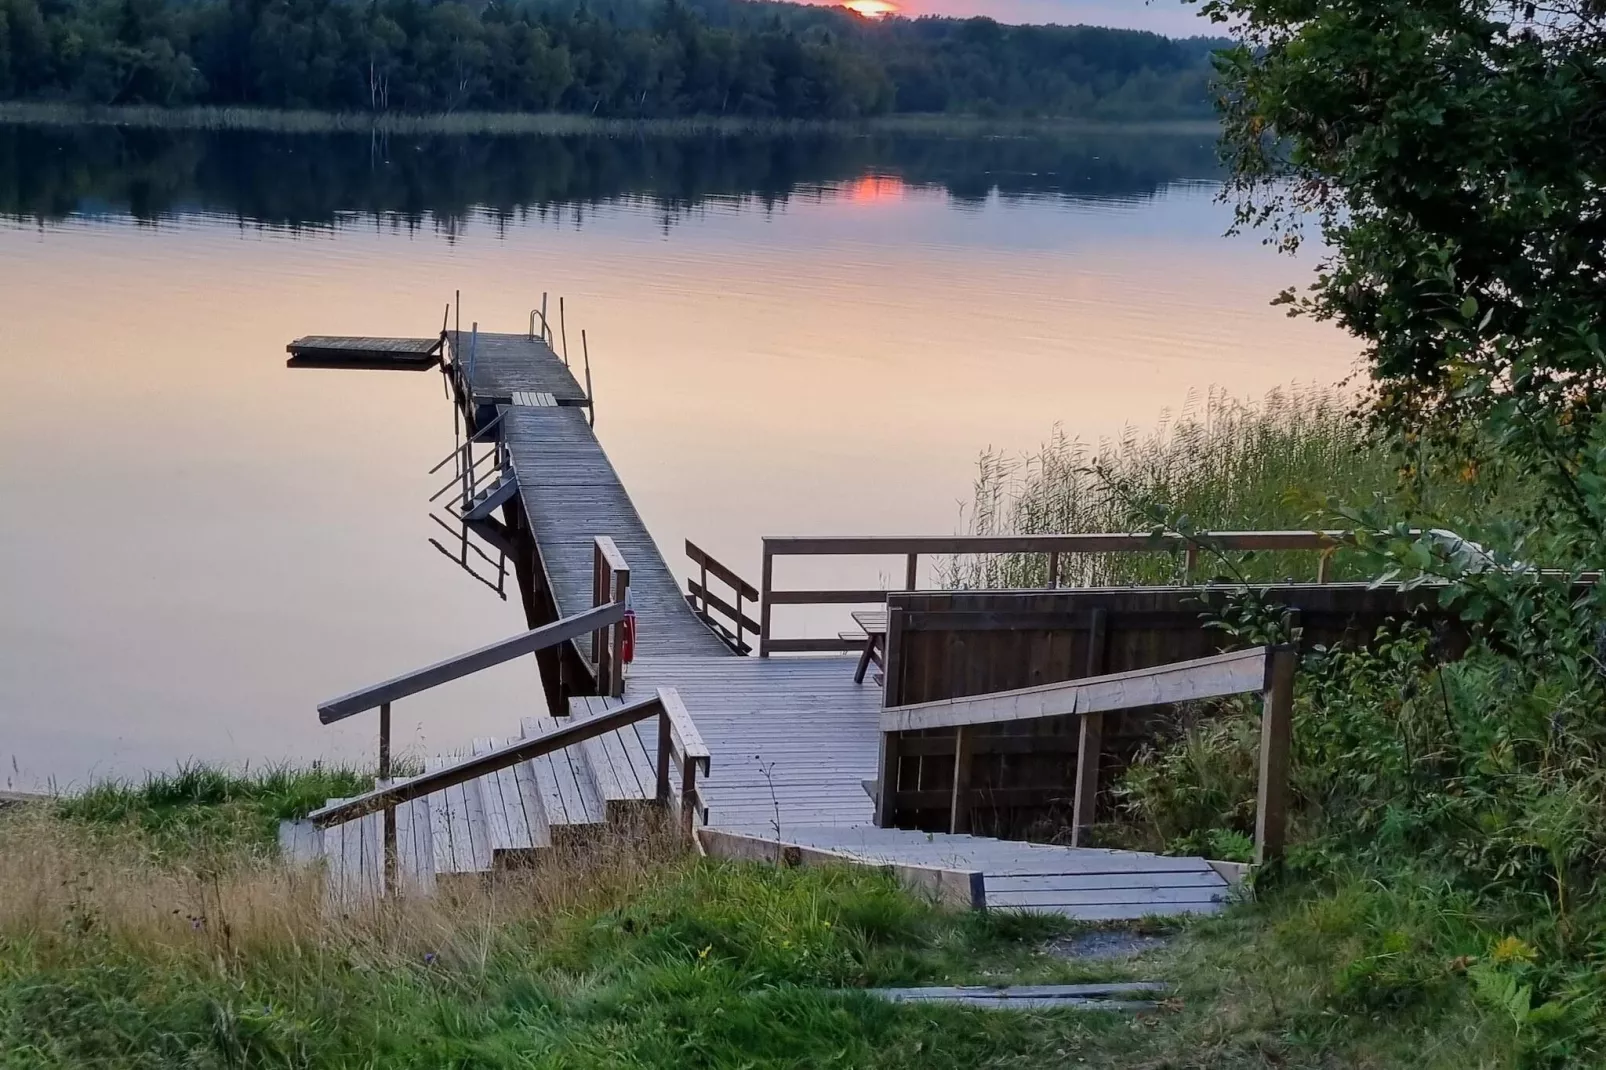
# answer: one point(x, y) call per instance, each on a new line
point(1162, 16)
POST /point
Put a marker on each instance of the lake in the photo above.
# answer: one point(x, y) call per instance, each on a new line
point(805, 335)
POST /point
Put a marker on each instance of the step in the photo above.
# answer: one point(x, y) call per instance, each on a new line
point(622, 763)
point(354, 854)
point(569, 796)
point(515, 820)
point(458, 829)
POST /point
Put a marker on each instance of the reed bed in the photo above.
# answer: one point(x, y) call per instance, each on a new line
point(1220, 463)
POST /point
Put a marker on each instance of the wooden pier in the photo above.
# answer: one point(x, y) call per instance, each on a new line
point(787, 758)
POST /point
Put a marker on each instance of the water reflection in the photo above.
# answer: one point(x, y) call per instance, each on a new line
point(48, 174)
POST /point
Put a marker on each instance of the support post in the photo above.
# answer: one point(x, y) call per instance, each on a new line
point(1053, 569)
point(1089, 743)
point(688, 792)
point(766, 584)
point(1190, 562)
point(891, 695)
point(616, 659)
point(911, 572)
point(663, 756)
point(959, 804)
point(1324, 566)
point(390, 811)
point(1276, 736)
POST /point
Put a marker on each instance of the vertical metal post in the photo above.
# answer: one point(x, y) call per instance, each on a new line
point(766, 583)
point(1276, 738)
point(1090, 742)
point(390, 810)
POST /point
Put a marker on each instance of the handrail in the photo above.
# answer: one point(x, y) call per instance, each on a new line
point(473, 661)
point(911, 548)
point(1269, 670)
point(1181, 681)
point(703, 601)
point(674, 727)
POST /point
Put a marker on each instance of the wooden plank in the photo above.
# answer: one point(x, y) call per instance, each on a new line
point(952, 887)
point(1090, 741)
point(1112, 542)
point(713, 600)
point(1276, 733)
point(1186, 681)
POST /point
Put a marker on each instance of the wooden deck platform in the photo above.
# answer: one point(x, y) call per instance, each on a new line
point(505, 364)
point(329, 351)
point(793, 741)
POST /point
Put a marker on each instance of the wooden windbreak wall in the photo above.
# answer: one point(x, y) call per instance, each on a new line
point(1019, 778)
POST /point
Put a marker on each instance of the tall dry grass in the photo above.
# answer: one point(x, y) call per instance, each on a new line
point(1221, 462)
point(65, 883)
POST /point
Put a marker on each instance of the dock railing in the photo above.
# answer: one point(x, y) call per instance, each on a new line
point(610, 585)
point(1268, 670)
point(1056, 547)
point(680, 746)
point(728, 619)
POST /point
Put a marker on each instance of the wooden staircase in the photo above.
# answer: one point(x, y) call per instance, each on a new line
point(502, 819)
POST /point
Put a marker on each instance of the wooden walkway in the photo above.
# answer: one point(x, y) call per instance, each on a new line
point(794, 740)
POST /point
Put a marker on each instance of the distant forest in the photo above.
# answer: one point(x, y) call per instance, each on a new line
point(609, 58)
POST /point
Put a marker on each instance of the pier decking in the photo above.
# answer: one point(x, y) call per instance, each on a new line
point(793, 741)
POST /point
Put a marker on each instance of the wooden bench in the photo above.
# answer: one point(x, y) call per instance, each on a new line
point(873, 622)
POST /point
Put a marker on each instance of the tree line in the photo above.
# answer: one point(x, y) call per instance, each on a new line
point(619, 59)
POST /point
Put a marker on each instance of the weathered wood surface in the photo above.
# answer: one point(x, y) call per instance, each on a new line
point(365, 352)
point(792, 738)
point(1084, 883)
point(505, 364)
point(571, 494)
point(1186, 681)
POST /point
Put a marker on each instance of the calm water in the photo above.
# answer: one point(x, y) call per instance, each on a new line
point(800, 336)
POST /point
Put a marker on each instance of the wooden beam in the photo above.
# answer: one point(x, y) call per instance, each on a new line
point(472, 662)
point(950, 887)
point(822, 598)
point(1276, 735)
point(1090, 742)
point(1098, 542)
point(959, 806)
point(1183, 681)
point(703, 559)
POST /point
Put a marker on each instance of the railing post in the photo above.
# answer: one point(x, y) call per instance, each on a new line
point(1090, 742)
point(1190, 562)
point(911, 572)
point(1324, 566)
point(1276, 737)
point(390, 811)
point(663, 756)
point(959, 803)
point(616, 658)
point(688, 791)
point(766, 584)
point(738, 616)
point(1053, 569)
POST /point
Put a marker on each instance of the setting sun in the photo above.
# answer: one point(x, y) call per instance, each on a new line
point(871, 9)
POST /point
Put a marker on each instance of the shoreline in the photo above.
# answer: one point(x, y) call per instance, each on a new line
point(552, 124)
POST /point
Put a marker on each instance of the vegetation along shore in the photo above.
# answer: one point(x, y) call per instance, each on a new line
point(638, 59)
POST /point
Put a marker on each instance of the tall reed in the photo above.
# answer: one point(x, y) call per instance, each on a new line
point(1221, 462)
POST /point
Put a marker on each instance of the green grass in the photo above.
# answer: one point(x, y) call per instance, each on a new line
point(555, 123)
point(202, 804)
point(682, 962)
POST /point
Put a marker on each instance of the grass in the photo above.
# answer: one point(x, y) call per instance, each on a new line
point(635, 954)
point(1285, 461)
point(555, 123)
